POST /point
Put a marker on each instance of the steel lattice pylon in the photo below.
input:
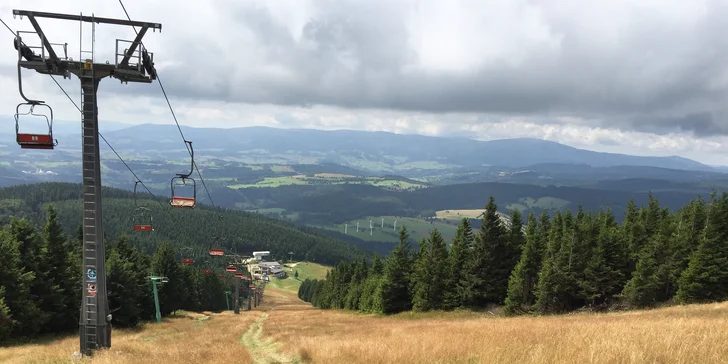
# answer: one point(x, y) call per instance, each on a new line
point(95, 320)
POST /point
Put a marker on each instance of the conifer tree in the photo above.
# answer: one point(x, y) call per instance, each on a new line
point(706, 277)
point(691, 221)
point(552, 280)
point(6, 319)
point(60, 300)
point(422, 278)
point(604, 273)
point(394, 292)
point(165, 264)
point(496, 254)
point(523, 279)
point(16, 283)
point(439, 270)
point(123, 294)
point(456, 263)
point(377, 265)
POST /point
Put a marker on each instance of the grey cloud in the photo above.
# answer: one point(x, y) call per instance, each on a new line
point(641, 70)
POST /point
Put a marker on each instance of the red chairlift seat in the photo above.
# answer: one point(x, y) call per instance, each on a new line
point(142, 227)
point(188, 261)
point(34, 140)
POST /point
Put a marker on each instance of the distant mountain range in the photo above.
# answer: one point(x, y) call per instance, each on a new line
point(340, 145)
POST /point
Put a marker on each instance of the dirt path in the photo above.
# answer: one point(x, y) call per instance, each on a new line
point(264, 351)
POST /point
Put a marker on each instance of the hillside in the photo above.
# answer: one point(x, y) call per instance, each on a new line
point(199, 229)
point(323, 205)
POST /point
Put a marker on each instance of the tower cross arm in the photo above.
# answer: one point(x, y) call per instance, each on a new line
point(87, 19)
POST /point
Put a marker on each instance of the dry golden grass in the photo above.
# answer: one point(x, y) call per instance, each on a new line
point(285, 330)
point(198, 338)
point(688, 334)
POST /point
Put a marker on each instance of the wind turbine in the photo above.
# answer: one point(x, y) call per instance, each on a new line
point(346, 228)
point(371, 229)
point(357, 226)
point(395, 225)
point(382, 223)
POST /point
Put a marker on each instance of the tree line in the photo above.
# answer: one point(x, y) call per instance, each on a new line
point(561, 263)
point(40, 281)
point(197, 230)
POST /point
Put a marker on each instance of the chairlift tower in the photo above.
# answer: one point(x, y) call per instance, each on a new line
point(95, 320)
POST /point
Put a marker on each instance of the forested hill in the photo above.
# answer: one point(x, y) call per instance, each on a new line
point(198, 230)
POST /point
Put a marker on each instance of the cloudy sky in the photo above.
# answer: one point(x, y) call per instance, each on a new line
point(640, 77)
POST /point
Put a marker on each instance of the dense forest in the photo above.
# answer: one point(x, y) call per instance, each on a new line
point(193, 231)
point(40, 281)
point(563, 262)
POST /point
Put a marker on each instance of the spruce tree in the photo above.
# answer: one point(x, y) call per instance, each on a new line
point(456, 263)
point(422, 278)
point(685, 240)
point(553, 293)
point(523, 279)
point(377, 265)
point(641, 290)
point(165, 264)
point(438, 270)
point(123, 294)
point(60, 300)
point(498, 255)
point(22, 308)
point(394, 292)
point(6, 319)
point(604, 273)
point(706, 277)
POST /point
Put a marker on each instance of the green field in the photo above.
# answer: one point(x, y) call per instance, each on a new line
point(305, 270)
point(417, 228)
point(330, 179)
point(272, 182)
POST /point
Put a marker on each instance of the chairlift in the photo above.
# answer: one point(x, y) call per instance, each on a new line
point(182, 180)
point(207, 271)
point(187, 261)
point(231, 268)
point(142, 215)
point(37, 128)
point(35, 138)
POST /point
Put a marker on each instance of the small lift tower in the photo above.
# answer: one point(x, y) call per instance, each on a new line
point(95, 320)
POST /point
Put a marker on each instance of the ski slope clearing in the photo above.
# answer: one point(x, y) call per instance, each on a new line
point(285, 330)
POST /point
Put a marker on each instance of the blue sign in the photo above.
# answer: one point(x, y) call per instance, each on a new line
point(91, 274)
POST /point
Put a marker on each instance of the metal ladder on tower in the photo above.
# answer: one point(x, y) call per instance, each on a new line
point(88, 107)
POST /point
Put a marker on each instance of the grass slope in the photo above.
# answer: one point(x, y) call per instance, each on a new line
point(285, 330)
point(306, 270)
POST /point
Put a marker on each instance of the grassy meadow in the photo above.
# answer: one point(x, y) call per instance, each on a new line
point(286, 330)
point(330, 179)
point(683, 334)
point(305, 270)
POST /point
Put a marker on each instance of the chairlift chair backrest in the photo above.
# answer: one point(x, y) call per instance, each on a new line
point(181, 180)
point(142, 216)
